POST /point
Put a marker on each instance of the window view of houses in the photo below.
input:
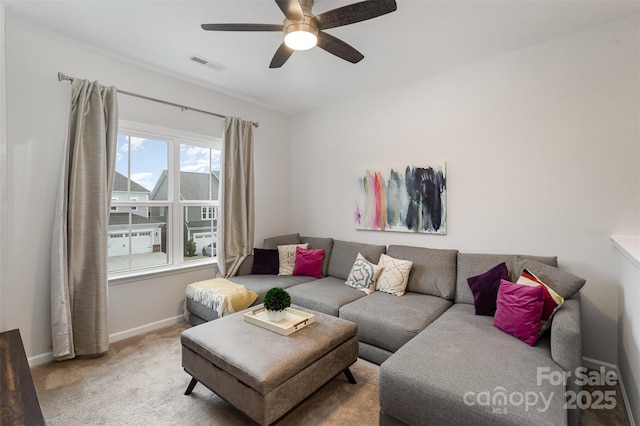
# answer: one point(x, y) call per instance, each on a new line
point(156, 203)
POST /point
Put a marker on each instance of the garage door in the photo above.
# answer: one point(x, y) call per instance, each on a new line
point(141, 242)
point(202, 239)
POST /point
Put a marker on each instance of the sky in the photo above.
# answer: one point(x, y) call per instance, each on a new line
point(150, 157)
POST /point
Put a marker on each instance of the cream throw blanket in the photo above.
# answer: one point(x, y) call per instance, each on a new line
point(221, 295)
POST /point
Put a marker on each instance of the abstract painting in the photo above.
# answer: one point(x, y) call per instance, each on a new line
point(407, 199)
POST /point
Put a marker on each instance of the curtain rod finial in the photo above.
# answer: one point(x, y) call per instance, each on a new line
point(62, 77)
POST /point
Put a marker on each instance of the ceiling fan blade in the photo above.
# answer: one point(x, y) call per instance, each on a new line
point(282, 54)
point(242, 27)
point(355, 12)
point(338, 47)
point(291, 9)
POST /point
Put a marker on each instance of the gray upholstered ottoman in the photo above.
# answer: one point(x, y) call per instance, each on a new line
point(262, 373)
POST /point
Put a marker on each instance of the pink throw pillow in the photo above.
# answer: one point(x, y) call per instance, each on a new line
point(309, 262)
point(519, 310)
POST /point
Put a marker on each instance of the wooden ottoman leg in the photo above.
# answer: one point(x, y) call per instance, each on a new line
point(192, 385)
point(350, 377)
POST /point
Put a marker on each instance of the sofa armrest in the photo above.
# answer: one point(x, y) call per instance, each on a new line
point(566, 336)
point(246, 266)
point(566, 346)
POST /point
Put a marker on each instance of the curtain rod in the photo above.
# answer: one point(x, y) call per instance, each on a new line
point(63, 77)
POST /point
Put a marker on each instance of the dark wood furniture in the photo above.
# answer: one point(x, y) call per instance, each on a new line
point(18, 402)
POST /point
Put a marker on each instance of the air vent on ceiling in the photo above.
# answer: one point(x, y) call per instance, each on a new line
point(199, 59)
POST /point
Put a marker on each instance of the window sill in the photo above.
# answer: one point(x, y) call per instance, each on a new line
point(149, 274)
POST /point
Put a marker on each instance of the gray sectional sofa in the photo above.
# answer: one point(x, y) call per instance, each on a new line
point(439, 362)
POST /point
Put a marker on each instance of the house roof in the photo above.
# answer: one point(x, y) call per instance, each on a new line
point(194, 186)
point(200, 224)
point(120, 184)
point(123, 219)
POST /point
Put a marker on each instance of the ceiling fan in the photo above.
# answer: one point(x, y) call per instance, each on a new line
point(304, 30)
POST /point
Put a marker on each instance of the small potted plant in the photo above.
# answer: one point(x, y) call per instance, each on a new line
point(191, 248)
point(276, 300)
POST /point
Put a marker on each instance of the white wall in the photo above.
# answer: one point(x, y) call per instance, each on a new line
point(37, 117)
point(542, 149)
point(628, 268)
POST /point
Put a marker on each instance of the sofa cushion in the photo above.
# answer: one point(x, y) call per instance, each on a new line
point(201, 311)
point(563, 283)
point(325, 244)
point(281, 240)
point(344, 253)
point(262, 283)
point(388, 321)
point(472, 264)
point(259, 284)
point(394, 276)
point(325, 295)
point(433, 272)
point(363, 275)
point(485, 288)
point(444, 373)
point(246, 266)
point(265, 262)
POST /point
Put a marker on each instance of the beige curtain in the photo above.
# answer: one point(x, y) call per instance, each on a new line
point(236, 213)
point(79, 244)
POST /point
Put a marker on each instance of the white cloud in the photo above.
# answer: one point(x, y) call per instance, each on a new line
point(136, 143)
point(194, 159)
point(145, 179)
point(215, 160)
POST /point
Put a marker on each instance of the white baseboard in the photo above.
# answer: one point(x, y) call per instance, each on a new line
point(115, 337)
point(595, 364)
point(627, 406)
point(121, 335)
point(40, 359)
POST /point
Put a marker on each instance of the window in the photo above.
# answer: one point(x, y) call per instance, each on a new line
point(164, 199)
point(209, 213)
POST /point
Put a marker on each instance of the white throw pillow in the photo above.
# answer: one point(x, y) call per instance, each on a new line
point(363, 275)
point(395, 276)
point(287, 256)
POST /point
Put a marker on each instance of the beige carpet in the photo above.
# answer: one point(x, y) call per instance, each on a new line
point(140, 382)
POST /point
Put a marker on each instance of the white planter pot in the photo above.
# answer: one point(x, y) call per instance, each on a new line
point(276, 316)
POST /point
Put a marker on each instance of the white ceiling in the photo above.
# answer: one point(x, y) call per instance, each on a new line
point(422, 38)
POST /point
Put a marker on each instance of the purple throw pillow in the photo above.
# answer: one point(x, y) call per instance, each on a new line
point(485, 289)
point(309, 262)
point(265, 262)
point(519, 309)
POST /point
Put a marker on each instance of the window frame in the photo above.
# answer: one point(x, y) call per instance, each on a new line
point(175, 205)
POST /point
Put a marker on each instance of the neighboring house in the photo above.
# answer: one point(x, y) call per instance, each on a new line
point(122, 192)
point(144, 234)
point(198, 224)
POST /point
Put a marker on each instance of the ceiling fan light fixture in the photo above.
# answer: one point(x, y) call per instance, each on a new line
point(301, 36)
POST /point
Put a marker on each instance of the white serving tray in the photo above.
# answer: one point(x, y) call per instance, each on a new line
point(293, 321)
